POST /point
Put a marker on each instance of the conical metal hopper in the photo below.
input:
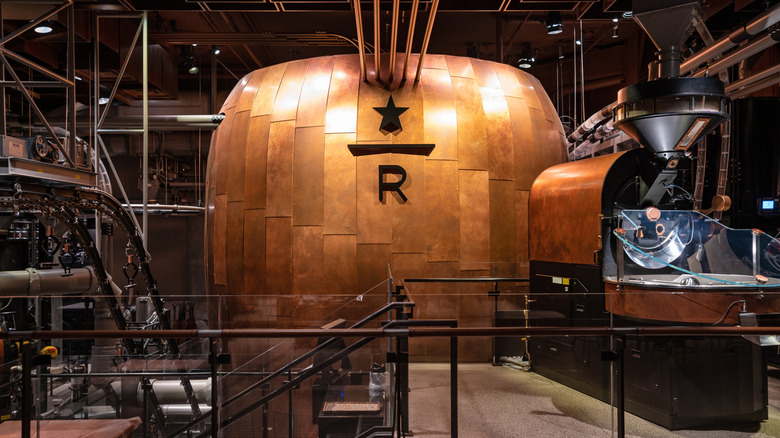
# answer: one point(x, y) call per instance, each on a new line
point(667, 23)
point(670, 114)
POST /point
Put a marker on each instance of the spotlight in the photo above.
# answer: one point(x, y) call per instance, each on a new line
point(44, 28)
point(554, 23)
point(102, 101)
point(194, 44)
point(578, 42)
point(614, 19)
point(192, 65)
point(525, 62)
point(216, 50)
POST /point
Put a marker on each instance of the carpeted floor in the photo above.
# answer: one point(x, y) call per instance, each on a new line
point(503, 402)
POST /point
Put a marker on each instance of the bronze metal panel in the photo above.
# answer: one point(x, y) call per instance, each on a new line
point(410, 97)
point(485, 74)
point(372, 263)
point(340, 202)
point(474, 220)
point(308, 268)
point(459, 66)
point(281, 141)
point(368, 119)
point(263, 103)
point(548, 149)
point(442, 214)
point(234, 240)
point(408, 265)
point(407, 226)
point(529, 92)
point(546, 104)
point(222, 153)
point(472, 125)
point(232, 98)
point(341, 113)
point(340, 262)
point(308, 176)
point(249, 92)
point(314, 94)
point(507, 76)
point(437, 62)
point(254, 251)
point(220, 240)
point(524, 144)
point(502, 222)
point(278, 255)
point(556, 222)
point(521, 233)
point(289, 93)
point(440, 119)
point(500, 147)
point(255, 183)
point(237, 157)
point(692, 306)
point(374, 218)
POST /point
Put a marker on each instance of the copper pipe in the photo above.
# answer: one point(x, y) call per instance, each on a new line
point(393, 38)
point(410, 35)
point(758, 86)
point(751, 80)
point(738, 55)
point(360, 38)
point(426, 39)
point(377, 43)
point(753, 27)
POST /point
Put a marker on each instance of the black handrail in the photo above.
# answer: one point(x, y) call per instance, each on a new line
point(386, 308)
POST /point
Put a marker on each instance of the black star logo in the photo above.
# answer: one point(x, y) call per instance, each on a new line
point(390, 117)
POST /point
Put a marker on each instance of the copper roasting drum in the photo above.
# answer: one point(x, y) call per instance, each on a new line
point(293, 210)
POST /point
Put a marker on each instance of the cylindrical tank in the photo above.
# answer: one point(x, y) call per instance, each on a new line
point(292, 211)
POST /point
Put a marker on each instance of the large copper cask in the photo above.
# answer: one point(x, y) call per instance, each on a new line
point(291, 210)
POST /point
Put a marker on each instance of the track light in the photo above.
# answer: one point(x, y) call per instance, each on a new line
point(192, 65)
point(44, 28)
point(554, 23)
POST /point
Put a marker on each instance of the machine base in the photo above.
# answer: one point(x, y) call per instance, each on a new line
point(677, 382)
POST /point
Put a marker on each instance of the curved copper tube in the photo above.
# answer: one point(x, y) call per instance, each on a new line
point(410, 35)
point(361, 39)
point(426, 39)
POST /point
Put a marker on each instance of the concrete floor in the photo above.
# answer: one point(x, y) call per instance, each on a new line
point(504, 402)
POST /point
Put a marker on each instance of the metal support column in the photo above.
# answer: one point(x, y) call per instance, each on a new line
point(145, 81)
point(214, 388)
point(454, 387)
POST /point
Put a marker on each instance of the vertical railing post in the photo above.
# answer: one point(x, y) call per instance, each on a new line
point(290, 405)
point(146, 385)
point(27, 395)
point(214, 360)
point(621, 388)
point(454, 387)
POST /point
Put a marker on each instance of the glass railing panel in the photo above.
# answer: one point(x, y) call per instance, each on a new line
point(683, 248)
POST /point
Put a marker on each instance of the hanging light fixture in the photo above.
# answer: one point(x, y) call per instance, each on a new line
point(192, 65)
point(554, 23)
point(44, 27)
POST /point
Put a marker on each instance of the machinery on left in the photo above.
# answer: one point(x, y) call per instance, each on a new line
point(51, 271)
